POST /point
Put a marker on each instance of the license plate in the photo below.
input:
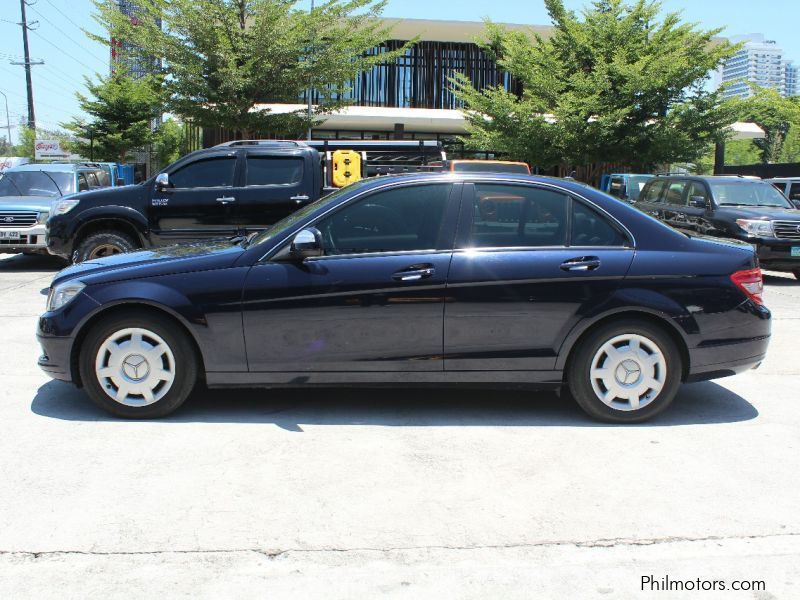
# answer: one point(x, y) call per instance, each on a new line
point(15, 235)
point(795, 251)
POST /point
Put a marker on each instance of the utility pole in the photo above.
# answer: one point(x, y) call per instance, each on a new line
point(27, 64)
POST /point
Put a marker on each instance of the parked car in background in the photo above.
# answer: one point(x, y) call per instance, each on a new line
point(740, 208)
point(789, 187)
point(27, 193)
point(231, 189)
point(487, 166)
point(625, 186)
point(430, 278)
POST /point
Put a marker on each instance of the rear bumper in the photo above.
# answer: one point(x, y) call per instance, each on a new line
point(722, 360)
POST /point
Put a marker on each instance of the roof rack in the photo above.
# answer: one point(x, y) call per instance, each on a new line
point(267, 143)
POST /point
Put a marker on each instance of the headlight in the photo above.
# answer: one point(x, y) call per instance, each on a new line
point(756, 228)
point(62, 207)
point(63, 294)
point(43, 216)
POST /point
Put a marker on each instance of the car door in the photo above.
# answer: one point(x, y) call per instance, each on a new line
point(373, 302)
point(529, 261)
point(275, 185)
point(200, 201)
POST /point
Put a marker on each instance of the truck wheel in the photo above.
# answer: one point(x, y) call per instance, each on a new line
point(102, 244)
point(625, 372)
point(138, 365)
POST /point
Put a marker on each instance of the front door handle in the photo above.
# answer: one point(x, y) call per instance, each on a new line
point(581, 263)
point(414, 273)
point(226, 199)
point(299, 199)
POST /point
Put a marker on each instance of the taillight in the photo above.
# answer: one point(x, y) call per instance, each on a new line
point(751, 283)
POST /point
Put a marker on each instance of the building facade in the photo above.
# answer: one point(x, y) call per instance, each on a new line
point(411, 98)
point(761, 62)
point(135, 62)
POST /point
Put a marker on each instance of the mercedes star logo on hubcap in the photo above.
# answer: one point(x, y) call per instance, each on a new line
point(628, 372)
point(136, 367)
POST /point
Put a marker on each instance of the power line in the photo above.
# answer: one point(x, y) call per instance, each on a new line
point(61, 31)
point(61, 50)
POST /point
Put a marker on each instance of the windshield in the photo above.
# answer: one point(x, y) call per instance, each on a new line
point(751, 193)
point(292, 219)
point(36, 183)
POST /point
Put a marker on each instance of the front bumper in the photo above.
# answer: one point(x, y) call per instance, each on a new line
point(777, 255)
point(31, 239)
point(56, 356)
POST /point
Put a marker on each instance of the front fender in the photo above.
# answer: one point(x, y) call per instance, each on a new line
point(126, 214)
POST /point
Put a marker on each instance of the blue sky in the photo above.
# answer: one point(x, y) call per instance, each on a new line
point(69, 55)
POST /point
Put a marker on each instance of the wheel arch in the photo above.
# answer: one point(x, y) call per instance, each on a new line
point(661, 320)
point(120, 308)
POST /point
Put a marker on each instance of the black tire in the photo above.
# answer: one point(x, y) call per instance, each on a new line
point(580, 364)
point(183, 351)
point(103, 243)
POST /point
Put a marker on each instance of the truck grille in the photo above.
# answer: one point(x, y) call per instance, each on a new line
point(17, 220)
point(787, 230)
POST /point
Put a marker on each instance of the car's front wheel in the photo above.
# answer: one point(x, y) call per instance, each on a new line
point(625, 372)
point(138, 365)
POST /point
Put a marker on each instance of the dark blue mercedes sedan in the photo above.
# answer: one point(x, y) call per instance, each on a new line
point(421, 279)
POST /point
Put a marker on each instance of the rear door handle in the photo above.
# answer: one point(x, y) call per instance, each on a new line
point(226, 199)
point(414, 273)
point(582, 263)
point(299, 199)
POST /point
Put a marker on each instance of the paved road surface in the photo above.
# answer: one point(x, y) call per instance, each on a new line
point(429, 494)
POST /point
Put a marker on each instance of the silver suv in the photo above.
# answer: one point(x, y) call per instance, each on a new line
point(27, 193)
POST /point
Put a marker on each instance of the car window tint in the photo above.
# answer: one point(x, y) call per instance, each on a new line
point(270, 170)
point(589, 228)
point(103, 178)
point(696, 189)
point(507, 216)
point(212, 172)
point(780, 186)
point(83, 183)
point(654, 192)
point(794, 191)
point(401, 219)
point(675, 193)
point(91, 178)
point(617, 187)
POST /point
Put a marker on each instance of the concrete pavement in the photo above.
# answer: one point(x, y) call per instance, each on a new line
point(355, 494)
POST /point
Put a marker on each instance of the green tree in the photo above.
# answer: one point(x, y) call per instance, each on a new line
point(225, 56)
point(620, 84)
point(170, 144)
point(122, 111)
point(776, 115)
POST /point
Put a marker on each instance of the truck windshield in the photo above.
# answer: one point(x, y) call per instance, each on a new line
point(749, 193)
point(292, 219)
point(36, 183)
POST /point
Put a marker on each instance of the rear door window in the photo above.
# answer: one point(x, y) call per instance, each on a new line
point(273, 170)
point(508, 216)
point(675, 194)
point(590, 228)
point(653, 193)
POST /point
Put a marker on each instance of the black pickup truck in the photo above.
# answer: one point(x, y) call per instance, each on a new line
point(228, 190)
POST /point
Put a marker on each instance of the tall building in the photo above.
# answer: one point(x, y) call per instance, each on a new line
point(759, 61)
point(134, 60)
point(792, 79)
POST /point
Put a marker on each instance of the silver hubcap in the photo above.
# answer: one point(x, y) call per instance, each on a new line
point(628, 372)
point(135, 367)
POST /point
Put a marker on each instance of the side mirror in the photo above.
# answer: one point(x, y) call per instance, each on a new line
point(162, 181)
point(698, 202)
point(307, 243)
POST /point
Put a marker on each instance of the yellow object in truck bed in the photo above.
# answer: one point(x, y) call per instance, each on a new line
point(346, 165)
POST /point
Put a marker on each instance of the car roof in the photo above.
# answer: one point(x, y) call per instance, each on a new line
point(53, 167)
point(467, 176)
point(787, 179)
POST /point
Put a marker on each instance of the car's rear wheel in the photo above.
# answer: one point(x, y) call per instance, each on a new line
point(102, 244)
point(625, 372)
point(138, 365)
